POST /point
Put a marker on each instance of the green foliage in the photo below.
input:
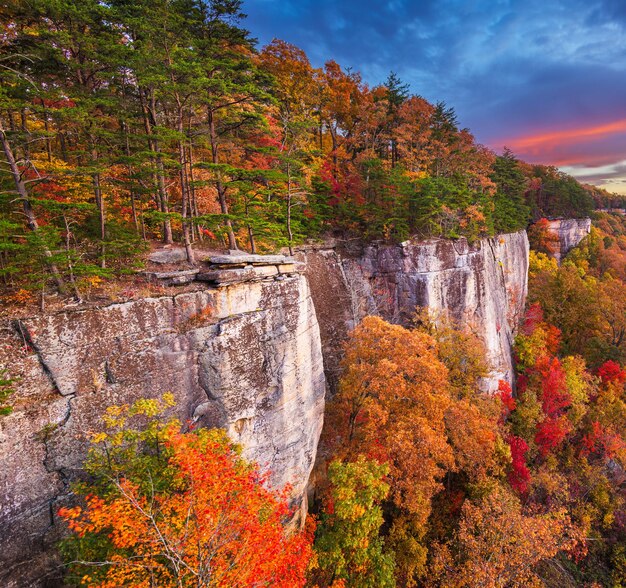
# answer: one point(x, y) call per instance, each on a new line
point(556, 194)
point(347, 541)
point(447, 207)
point(510, 210)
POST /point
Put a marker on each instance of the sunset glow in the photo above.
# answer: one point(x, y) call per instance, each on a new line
point(569, 136)
point(539, 77)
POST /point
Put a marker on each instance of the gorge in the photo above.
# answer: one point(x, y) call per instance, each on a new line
point(253, 353)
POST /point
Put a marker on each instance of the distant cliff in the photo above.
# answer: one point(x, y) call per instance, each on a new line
point(570, 232)
point(483, 285)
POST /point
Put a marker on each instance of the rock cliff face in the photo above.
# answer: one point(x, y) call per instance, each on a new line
point(483, 285)
point(244, 353)
point(570, 231)
point(245, 356)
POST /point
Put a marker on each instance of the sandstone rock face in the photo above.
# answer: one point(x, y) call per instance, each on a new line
point(484, 285)
point(246, 357)
point(570, 231)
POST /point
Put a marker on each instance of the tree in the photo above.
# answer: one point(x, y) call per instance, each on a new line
point(15, 67)
point(169, 508)
point(511, 212)
point(347, 544)
point(390, 406)
point(498, 545)
point(397, 93)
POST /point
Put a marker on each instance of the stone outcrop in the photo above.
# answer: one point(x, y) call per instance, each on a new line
point(242, 349)
point(244, 356)
point(570, 231)
point(483, 285)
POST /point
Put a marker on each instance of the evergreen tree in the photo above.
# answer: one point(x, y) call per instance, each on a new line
point(510, 210)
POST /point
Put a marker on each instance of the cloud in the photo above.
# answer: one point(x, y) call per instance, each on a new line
point(612, 177)
point(561, 146)
point(513, 69)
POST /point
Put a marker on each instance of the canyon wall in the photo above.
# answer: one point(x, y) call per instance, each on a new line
point(244, 350)
point(570, 231)
point(245, 356)
point(483, 285)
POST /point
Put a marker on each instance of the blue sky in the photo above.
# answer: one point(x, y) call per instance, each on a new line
point(545, 77)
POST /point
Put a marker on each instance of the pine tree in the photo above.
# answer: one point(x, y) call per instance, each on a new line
point(511, 212)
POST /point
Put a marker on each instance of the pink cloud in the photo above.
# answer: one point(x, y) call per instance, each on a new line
point(591, 145)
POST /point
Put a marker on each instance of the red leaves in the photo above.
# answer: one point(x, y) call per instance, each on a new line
point(345, 184)
point(534, 317)
point(506, 396)
point(550, 434)
point(55, 104)
point(555, 397)
point(519, 476)
point(612, 372)
point(542, 238)
point(601, 442)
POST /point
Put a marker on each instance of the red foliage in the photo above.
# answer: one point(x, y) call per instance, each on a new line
point(345, 186)
point(519, 476)
point(555, 397)
point(553, 338)
point(611, 371)
point(522, 384)
point(600, 442)
point(550, 434)
point(55, 104)
point(533, 318)
point(457, 499)
point(506, 397)
point(542, 238)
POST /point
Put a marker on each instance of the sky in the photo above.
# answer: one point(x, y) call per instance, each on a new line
point(547, 78)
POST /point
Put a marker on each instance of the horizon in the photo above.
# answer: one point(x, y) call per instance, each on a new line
point(539, 78)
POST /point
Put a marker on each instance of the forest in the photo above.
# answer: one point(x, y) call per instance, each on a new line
point(129, 122)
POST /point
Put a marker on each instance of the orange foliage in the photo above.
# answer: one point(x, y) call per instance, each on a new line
point(497, 544)
point(391, 406)
point(216, 526)
point(542, 239)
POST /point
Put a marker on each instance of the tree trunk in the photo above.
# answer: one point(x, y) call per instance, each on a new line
point(149, 120)
point(129, 169)
point(221, 190)
point(184, 187)
point(97, 189)
point(289, 232)
point(31, 219)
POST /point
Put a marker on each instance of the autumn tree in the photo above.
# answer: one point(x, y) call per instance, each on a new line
point(169, 508)
point(348, 546)
point(498, 545)
point(391, 404)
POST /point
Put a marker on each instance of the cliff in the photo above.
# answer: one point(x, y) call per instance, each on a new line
point(245, 349)
point(570, 232)
point(244, 356)
point(483, 285)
